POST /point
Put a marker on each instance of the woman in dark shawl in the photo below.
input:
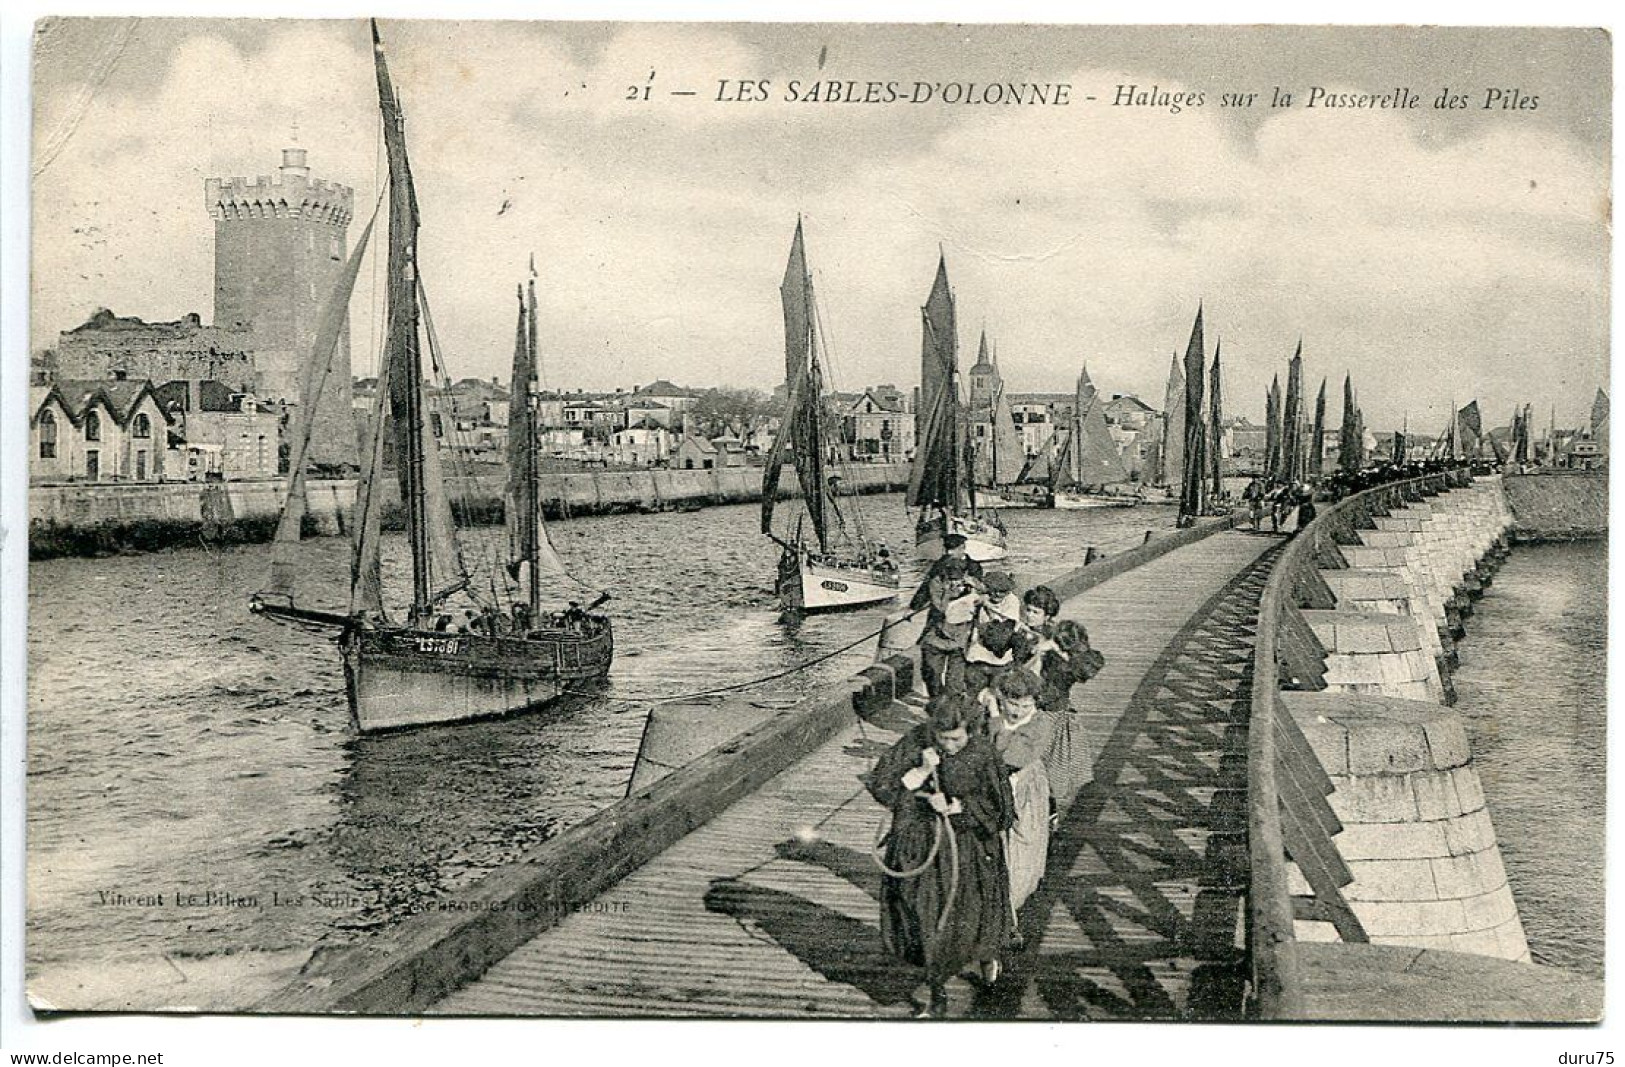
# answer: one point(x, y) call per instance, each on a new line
point(945, 896)
point(1070, 760)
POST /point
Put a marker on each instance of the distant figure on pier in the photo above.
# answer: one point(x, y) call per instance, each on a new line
point(945, 893)
point(1280, 499)
point(1306, 506)
point(1254, 495)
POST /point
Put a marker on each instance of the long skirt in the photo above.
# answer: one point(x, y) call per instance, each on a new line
point(1071, 758)
point(979, 926)
point(1026, 844)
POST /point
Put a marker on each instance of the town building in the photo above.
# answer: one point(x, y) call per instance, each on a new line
point(695, 453)
point(549, 407)
point(98, 431)
point(1129, 412)
point(222, 433)
point(471, 401)
point(598, 418)
point(665, 393)
point(1039, 415)
point(875, 428)
point(730, 449)
point(643, 444)
point(561, 441)
point(643, 409)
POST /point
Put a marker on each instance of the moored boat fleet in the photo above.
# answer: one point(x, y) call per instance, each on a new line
point(478, 642)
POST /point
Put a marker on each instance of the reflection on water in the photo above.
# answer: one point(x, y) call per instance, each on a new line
point(1533, 690)
point(182, 748)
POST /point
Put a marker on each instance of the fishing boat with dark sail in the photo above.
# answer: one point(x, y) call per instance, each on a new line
point(842, 567)
point(942, 482)
point(468, 647)
point(1001, 461)
point(1090, 472)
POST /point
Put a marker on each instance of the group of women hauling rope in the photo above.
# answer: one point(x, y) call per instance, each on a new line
point(974, 790)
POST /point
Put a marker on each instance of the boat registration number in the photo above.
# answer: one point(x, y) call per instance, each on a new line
point(834, 587)
point(443, 646)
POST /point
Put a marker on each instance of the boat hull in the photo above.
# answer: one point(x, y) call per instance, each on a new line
point(1002, 499)
point(984, 542)
point(399, 678)
point(808, 587)
point(1065, 501)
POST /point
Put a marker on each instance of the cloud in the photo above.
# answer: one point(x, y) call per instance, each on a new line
point(660, 228)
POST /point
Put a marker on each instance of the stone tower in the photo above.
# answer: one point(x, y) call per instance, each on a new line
point(279, 248)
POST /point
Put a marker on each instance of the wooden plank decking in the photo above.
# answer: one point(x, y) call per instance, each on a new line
point(769, 910)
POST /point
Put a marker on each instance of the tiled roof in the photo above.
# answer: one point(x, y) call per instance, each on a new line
point(118, 396)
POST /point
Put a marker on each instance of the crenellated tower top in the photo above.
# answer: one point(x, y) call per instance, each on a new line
point(289, 194)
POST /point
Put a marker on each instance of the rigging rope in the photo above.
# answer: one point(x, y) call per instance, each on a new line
point(650, 698)
point(944, 831)
point(842, 462)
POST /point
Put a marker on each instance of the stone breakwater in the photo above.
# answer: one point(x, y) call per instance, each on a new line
point(1416, 833)
point(1558, 505)
point(85, 519)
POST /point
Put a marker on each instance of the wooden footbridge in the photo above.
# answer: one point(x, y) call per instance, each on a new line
point(770, 908)
point(742, 884)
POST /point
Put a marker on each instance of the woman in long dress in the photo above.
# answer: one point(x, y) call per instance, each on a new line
point(1021, 735)
point(945, 894)
point(1070, 759)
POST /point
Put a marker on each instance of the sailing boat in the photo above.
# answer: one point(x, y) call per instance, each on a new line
point(1001, 461)
point(942, 483)
point(1090, 472)
point(845, 569)
point(423, 670)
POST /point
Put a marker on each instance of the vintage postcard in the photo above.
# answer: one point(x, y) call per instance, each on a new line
point(835, 521)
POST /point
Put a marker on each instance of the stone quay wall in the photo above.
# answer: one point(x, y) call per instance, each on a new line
point(1416, 831)
point(89, 519)
point(1558, 505)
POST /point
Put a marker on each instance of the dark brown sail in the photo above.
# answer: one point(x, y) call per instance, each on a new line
point(1190, 495)
point(940, 464)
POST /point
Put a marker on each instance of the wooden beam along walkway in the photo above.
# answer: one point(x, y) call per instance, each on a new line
point(770, 909)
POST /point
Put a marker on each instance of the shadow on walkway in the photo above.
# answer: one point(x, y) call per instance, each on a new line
point(1140, 915)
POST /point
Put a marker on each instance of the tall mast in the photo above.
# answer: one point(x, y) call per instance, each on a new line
point(521, 453)
point(402, 346)
point(816, 493)
point(1216, 429)
point(532, 471)
point(801, 433)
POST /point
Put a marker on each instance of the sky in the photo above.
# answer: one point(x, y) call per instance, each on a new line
point(1436, 255)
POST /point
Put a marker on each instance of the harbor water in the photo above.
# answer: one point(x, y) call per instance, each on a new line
point(1532, 687)
point(197, 804)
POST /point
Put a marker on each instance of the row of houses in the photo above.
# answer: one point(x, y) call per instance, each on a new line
point(128, 430)
point(646, 426)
